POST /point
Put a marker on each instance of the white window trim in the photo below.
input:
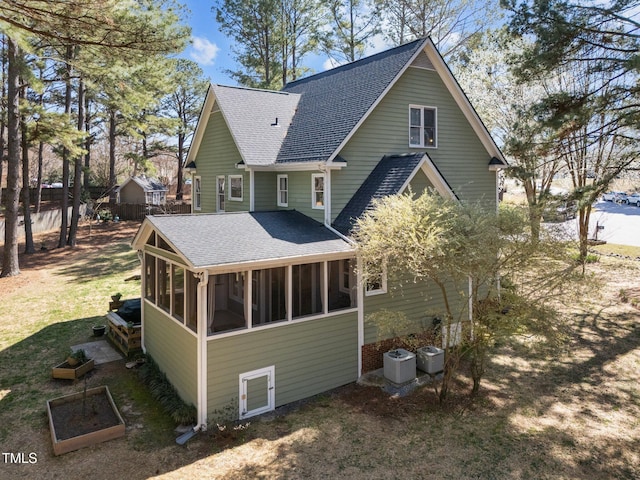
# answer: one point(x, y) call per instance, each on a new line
point(230, 189)
point(313, 191)
point(279, 191)
point(383, 287)
point(197, 193)
point(435, 136)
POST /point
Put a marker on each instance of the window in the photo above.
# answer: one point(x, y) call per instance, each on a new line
point(220, 194)
point(197, 191)
point(283, 190)
point(376, 279)
point(150, 277)
point(164, 285)
point(317, 187)
point(237, 286)
point(341, 285)
point(177, 292)
point(307, 289)
point(269, 296)
point(191, 287)
point(235, 188)
point(422, 126)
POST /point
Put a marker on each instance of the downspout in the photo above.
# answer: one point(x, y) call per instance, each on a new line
point(202, 350)
point(360, 287)
point(143, 289)
point(252, 197)
point(327, 196)
point(201, 361)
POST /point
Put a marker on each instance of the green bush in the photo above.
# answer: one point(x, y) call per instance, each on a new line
point(162, 390)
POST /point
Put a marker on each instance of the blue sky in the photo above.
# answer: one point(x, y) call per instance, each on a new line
point(212, 50)
point(209, 47)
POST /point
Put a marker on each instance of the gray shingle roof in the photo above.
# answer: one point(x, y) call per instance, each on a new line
point(334, 101)
point(391, 173)
point(219, 239)
point(251, 116)
point(149, 184)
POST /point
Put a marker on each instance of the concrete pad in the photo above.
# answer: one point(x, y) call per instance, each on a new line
point(101, 351)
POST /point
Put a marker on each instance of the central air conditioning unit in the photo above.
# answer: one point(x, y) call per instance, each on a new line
point(399, 366)
point(430, 359)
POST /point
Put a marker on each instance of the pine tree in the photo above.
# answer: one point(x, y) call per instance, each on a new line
point(130, 29)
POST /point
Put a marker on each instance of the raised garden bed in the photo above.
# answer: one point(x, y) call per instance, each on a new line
point(67, 372)
point(83, 419)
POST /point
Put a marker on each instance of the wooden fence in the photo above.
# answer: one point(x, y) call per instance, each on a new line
point(130, 211)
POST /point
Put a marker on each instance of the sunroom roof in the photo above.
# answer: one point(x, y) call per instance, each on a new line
point(209, 240)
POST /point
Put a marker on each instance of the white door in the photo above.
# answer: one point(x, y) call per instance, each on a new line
point(257, 392)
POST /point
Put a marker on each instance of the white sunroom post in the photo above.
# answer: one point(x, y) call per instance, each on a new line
point(289, 292)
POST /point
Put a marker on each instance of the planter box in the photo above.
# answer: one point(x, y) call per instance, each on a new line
point(67, 372)
point(77, 422)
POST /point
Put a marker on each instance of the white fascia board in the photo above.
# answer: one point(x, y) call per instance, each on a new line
point(201, 126)
point(295, 167)
point(378, 100)
point(433, 175)
point(276, 262)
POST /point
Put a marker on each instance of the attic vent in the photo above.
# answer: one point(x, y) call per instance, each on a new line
point(216, 108)
point(422, 61)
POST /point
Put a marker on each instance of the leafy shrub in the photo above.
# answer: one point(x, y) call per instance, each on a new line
point(162, 390)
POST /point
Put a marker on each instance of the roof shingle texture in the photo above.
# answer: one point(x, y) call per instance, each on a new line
point(333, 102)
point(391, 173)
point(228, 238)
point(149, 184)
point(258, 120)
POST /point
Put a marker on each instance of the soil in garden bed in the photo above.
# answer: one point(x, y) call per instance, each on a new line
point(72, 419)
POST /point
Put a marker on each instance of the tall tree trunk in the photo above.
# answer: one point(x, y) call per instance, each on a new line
point(3, 123)
point(64, 203)
point(112, 157)
point(10, 264)
point(26, 196)
point(77, 174)
point(39, 188)
point(180, 164)
point(87, 143)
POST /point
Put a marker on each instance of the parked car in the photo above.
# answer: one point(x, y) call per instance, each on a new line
point(614, 197)
point(633, 199)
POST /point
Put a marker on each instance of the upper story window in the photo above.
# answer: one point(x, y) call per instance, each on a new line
point(197, 193)
point(283, 190)
point(376, 279)
point(422, 126)
point(317, 190)
point(235, 188)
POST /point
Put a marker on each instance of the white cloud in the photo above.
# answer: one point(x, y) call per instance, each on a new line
point(330, 63)
point(203, 51)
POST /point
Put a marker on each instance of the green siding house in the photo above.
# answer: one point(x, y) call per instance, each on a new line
point(257, 298)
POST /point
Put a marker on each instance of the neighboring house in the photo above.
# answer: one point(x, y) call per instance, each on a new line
point(142, 190)
point(258, 299)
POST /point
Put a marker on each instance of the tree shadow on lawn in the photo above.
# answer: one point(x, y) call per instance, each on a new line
point(580, 386)
point(111, 260)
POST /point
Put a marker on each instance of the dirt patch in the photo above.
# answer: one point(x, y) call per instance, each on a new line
point(82, 415)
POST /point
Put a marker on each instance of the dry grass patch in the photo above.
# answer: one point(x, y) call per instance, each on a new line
point(569, 414)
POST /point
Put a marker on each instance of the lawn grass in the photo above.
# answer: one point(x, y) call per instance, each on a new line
point(569, 414)
point(613, 249)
